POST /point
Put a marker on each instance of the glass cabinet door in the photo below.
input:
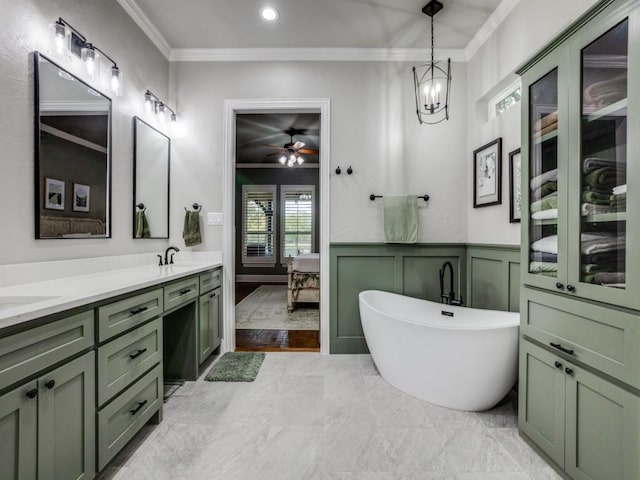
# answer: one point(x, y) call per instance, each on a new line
point(603, 159)
point(543, 195)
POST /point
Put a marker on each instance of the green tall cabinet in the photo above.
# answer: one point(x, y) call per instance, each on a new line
point(580, 301)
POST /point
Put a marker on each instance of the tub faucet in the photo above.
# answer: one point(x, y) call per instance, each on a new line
point(166, 255)
point(448, 298)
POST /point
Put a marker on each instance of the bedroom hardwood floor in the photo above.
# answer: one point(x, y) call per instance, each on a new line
point(273, 340)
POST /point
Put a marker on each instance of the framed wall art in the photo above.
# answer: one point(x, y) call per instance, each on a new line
point(487, 174)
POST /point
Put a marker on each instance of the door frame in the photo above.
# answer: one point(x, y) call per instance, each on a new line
point(303, 105)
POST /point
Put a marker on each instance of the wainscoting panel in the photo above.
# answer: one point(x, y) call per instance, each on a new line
point(405, 269)
point(494, 277)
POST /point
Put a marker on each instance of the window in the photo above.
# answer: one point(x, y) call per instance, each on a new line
point(258, 225)
point(298, 202)
point(505, 99)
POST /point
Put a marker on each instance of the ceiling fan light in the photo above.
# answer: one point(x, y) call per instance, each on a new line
point(282, 160)
point(300, 160)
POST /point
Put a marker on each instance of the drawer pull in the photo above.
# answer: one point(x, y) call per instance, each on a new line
point(139, 407)
point(50, 384)
point(137, 353)
point(558, 365)
point(185, 291)
point(32, 393)
point(561, 348)
point(569, 371)
point(212, 295)
point(138, 310)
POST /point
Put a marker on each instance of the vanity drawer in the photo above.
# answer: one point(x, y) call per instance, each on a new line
point(603, 338)
point(210, 280)
point(180, 293)
point(25, 353)
point(119, 421)
point(124, 359)
point(121, 316)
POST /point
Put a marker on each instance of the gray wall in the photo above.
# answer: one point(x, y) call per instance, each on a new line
point(272, 176)
point(24, 27)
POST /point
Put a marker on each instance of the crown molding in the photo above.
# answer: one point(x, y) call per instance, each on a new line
point(138, 16)
point(311, 54)
point(489, 27)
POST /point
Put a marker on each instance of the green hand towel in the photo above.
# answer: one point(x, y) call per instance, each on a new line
point(605, 177)
point(142, 226)
point(596, 197)
point(400, 218)
point(191, 230)
point(546, 203)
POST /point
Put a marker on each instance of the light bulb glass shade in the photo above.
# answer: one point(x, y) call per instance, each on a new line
point(269, 14)
point(116, 81)
point(148, 102)
point(177, 127)
point(300, 160)
point(282, 160)
point(91, 57)
point(432, 82)
point(59, 39)
point(292, 158)
point(160, 112)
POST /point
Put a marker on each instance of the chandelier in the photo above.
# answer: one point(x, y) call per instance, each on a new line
point(432, 81)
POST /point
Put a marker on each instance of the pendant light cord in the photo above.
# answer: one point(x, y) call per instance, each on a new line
point(432, 72)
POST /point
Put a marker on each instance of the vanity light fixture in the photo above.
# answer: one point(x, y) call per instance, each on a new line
point(66, 39)
point(432, 81)
point(154, 104)
point(269, 14)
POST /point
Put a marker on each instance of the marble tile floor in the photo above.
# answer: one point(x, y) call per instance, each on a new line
point(314, 417)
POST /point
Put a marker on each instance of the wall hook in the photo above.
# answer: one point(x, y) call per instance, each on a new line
point(349, 170)
point(338, 171)
point(196, 206)
point(140, 206)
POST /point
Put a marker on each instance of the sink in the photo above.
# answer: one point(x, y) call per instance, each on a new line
point(18, 301)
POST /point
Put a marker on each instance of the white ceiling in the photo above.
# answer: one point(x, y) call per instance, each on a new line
point(211, 24)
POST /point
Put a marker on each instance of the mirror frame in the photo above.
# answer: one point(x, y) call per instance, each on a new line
point(36, 134)
point(137, 119)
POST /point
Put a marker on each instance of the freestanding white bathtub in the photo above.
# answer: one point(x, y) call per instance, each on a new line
point(467, 361)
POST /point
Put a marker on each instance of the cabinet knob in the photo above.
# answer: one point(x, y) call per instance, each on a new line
point(558, 365)
point(50, 384)
point(571, 288)
point(569, 371)
point(559, 286)
point(32, 393)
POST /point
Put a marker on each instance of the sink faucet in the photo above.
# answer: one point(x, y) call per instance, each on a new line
point(448, 298)
point(168, 260)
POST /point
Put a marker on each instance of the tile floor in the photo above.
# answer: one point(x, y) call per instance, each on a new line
point(314, 417)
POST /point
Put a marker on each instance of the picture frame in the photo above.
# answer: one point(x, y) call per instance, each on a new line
point(81, 197)
point(487, 174)
point(53, 194)
point(515, 186)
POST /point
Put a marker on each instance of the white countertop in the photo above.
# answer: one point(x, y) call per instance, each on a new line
point(75, 291)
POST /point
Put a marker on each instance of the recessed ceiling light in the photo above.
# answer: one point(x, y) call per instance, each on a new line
point(269, 14)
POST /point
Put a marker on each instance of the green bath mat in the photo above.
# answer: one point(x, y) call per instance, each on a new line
point(236, 367)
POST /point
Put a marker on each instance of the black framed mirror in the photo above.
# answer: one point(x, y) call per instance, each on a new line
point(151, 171)
point(72, 155)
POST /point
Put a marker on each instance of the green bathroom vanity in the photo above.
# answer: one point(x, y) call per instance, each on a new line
point(76, 384)
point(580, 301)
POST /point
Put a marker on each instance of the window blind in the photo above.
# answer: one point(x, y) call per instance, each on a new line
point(258, 224)
point(297, 219)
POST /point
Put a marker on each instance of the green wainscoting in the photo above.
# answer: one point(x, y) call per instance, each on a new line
point(412, 270)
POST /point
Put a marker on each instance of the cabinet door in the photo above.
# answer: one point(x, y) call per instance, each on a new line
point(602, 429)
point(216, 321)
point(18, 433)
point(66, 421)
point(205, 330)
point(544, 171)
point(541, 399)
point(603, 157)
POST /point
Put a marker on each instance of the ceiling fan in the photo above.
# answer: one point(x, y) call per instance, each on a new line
point(290, 153)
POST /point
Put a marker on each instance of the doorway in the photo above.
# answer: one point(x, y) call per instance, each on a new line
point(276, 200)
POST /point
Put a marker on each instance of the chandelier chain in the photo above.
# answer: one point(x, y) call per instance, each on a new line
point(432, 40)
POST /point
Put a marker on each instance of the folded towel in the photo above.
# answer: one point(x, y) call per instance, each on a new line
point(545, 214)
point(142, 226)
point(543, 257)
point(610, 257)
point(599, 243)
point(539, 267)
point(191, 230)
point(619, 200)
point(604, 177)
point(617, 190)
point(545, 189)
point(607, 91)
point(604, 267)
point(594, 209)
point(546, 244)
point(549, 176)
point(547, 120)
point(400, 218)
point(594, 196)
point(592, 163)
point(546, 203)
point(548, 129)
point(609, 277)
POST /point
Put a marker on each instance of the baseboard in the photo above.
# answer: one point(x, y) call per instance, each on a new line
point(261, 278)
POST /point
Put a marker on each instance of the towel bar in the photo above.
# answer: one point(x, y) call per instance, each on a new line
point(372, 197)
